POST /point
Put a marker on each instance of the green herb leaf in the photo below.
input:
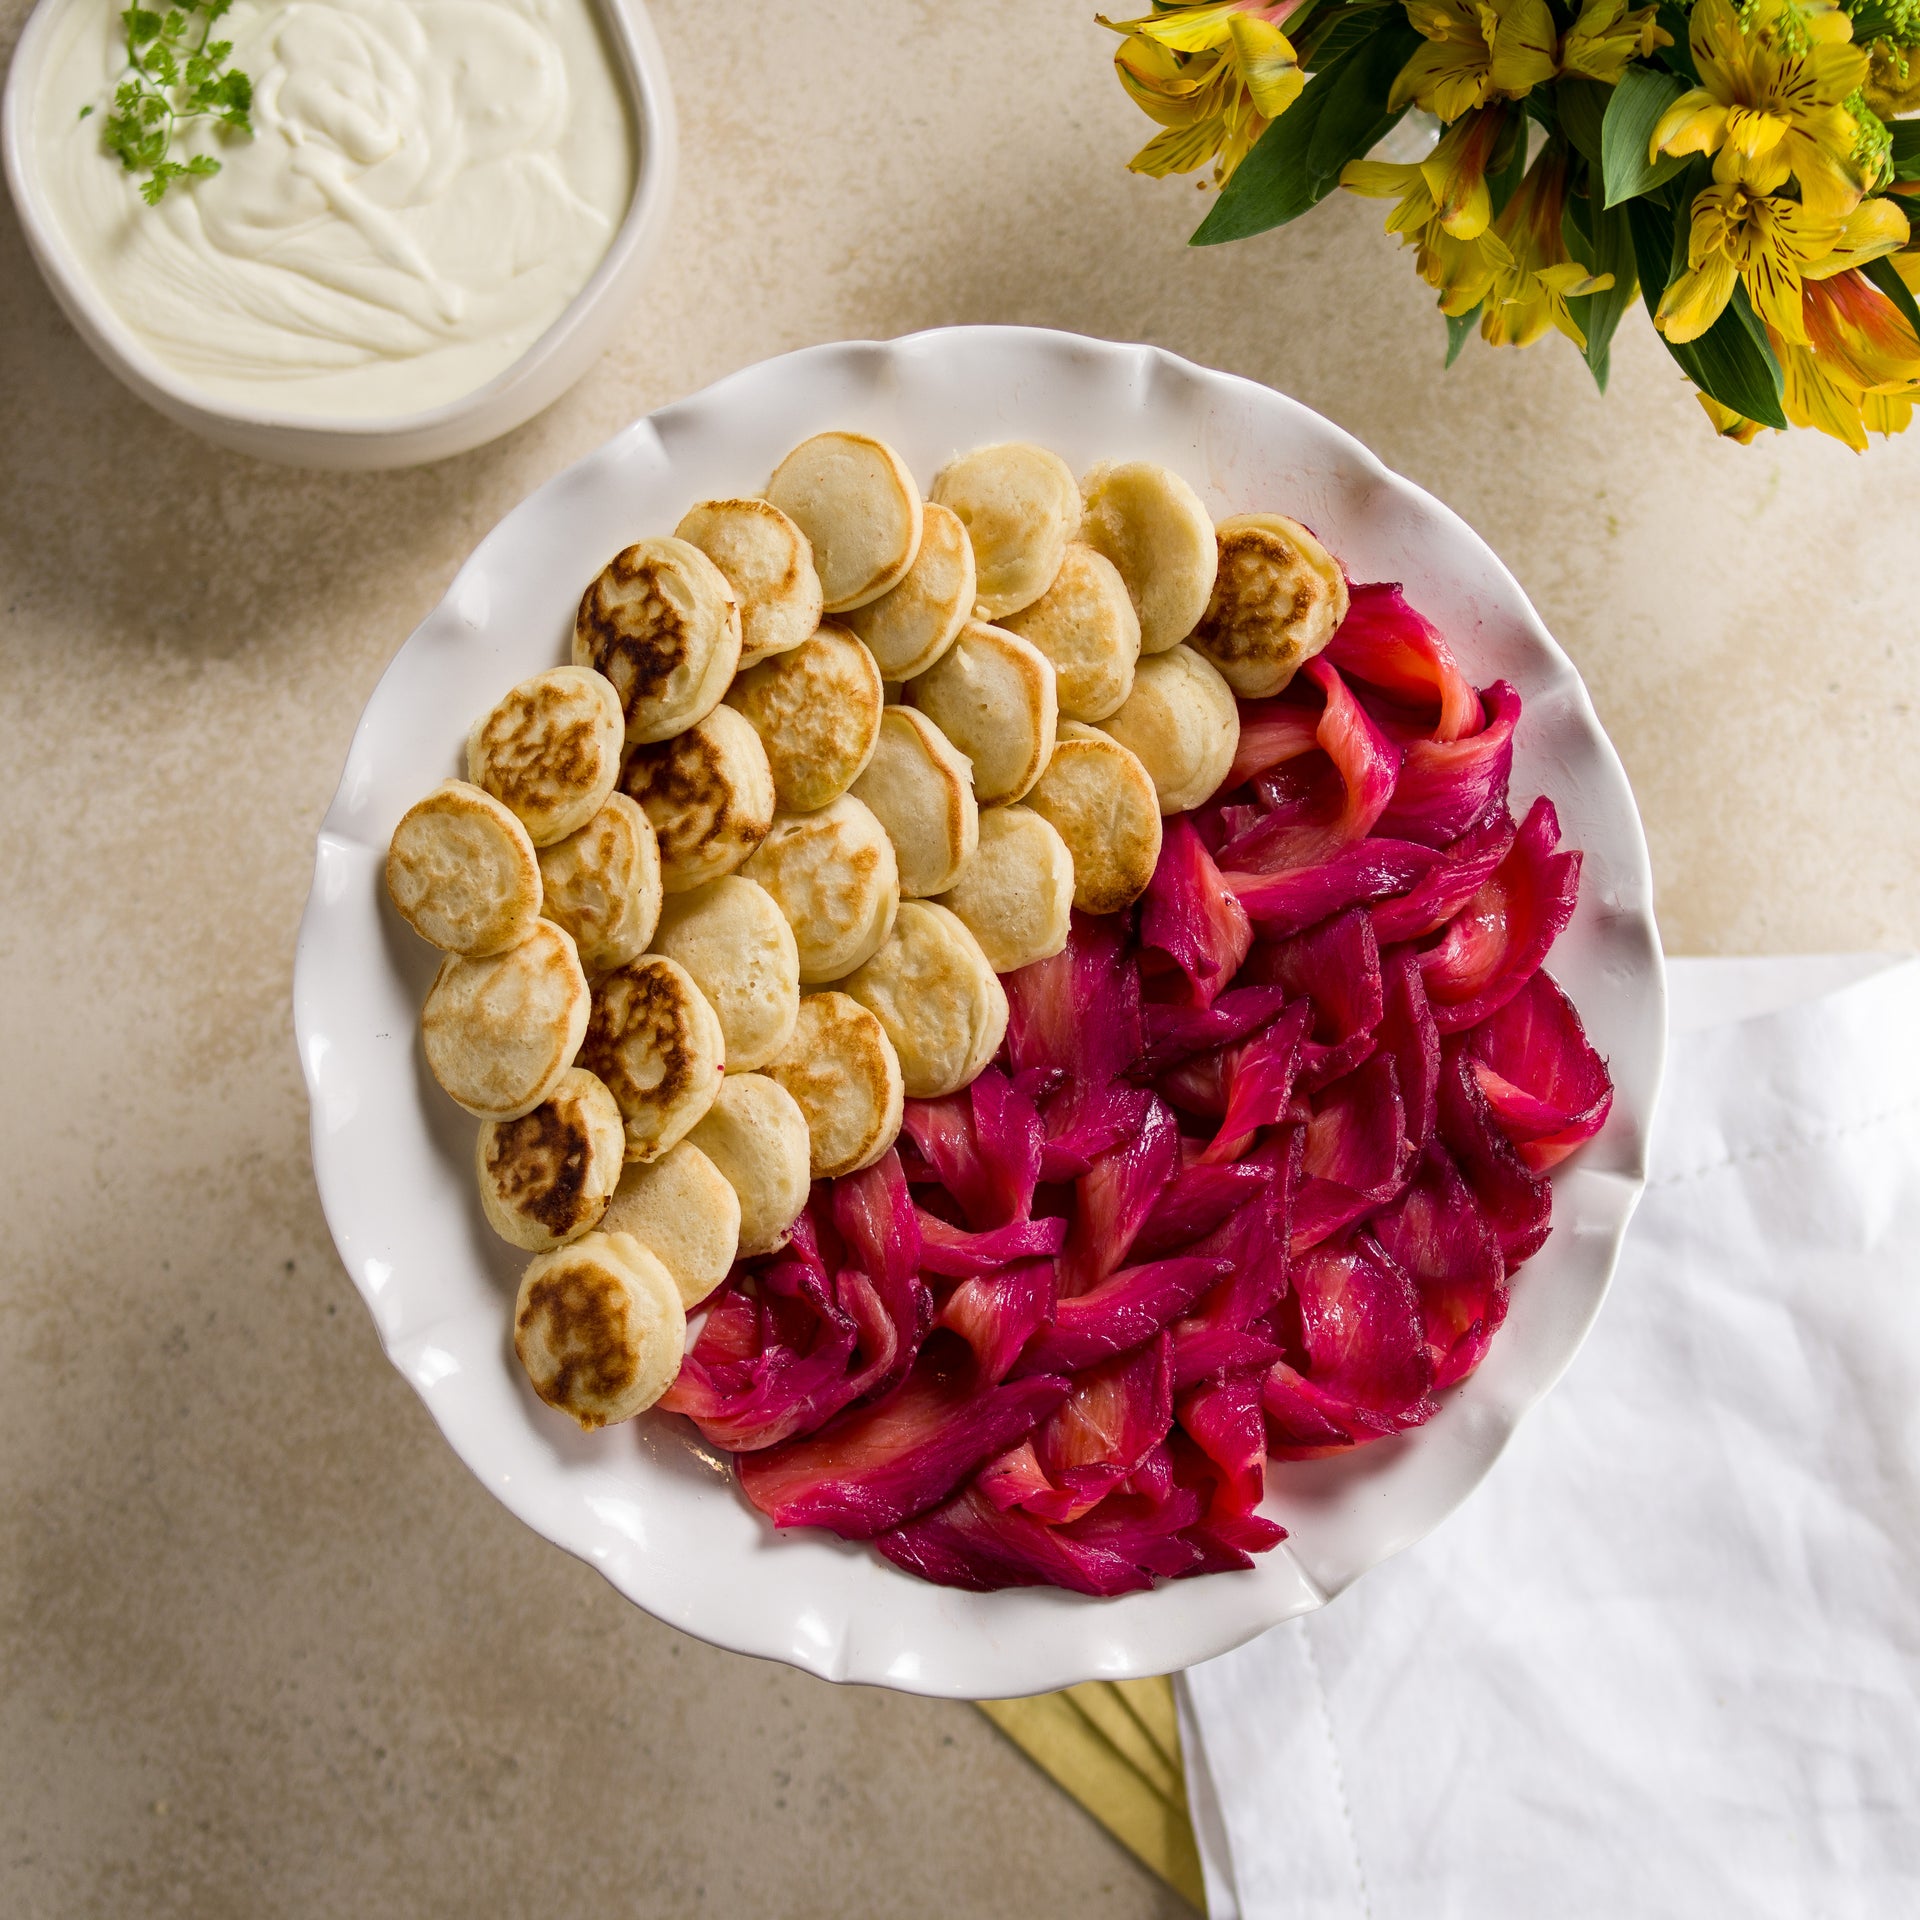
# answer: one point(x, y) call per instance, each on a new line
point(1296, 163)
point(1731, 361)
point(171, 78)
point(1642, 96)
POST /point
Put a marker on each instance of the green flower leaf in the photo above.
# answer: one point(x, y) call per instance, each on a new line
point(1886, 276)
point(1905, 135)
point(1296, 163)
point(1459, 327)
point(1678, 58)
point(1583, 109)
point(1601, 239)
point(1642, 96)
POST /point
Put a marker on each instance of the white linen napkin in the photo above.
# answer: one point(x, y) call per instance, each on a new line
point(1666, 1661)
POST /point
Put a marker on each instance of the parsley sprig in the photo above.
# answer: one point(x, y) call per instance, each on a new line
point(175, 73)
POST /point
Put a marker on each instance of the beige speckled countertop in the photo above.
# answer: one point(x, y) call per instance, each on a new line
point(267, 1649)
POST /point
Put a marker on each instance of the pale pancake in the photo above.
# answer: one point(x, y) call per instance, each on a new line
point(854, 499)
point(735, 942)
point(910, 626)
point(499, 1030)
point(462, 871)
point(708, 793)
point(1102, 802)
point(1020, 505)
point(1085, 624)
point(658, 1045)
point(1181, 722)
point(1278, 598)
point(546, 1178)
point(768, 563)
point(834, 875)
point(1151, 525)
point(1015, 896)
point(935, 992)
point(599, 1327)
point(756, 1135)
point(684, 1211)
point(816, 709)
point(662, 624)
point(842, 1070)
point(550, 750)
point(603, 885)
point(992, 694)
point(920, 787)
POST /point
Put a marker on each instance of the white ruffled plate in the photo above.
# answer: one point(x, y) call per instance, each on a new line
point(647, 1503)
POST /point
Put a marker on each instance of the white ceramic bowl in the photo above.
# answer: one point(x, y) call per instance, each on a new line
point(654, 1509)
point(538, 378)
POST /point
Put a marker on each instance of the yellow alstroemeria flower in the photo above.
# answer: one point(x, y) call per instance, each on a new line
point(1476, 51)
point(1744, 230)
point(1607, 36)
point(1861, 335)
point(1726, 423)
point(1213, 75)
point(1860, 370)
point(1449, 185)
point(1531, 292)
point(1893, 80)
point(1444, 208)
point(1761, 96)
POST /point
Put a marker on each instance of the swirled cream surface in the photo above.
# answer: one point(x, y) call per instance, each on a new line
point(428, 184)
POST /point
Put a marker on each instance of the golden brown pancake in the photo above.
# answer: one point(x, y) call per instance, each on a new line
point(1101, 801)
point(599, 1328)
point(546, 1178)
point(1278, 598)
point(854, 499)
point(910, 626)
point(603, 885)
point(708, 793)
point(769, 565)
point(684, 1211)
point(499, 1029)
point(658, 1045)
point(462, 872)
point(662, 624)
point(550, 750)
point(816, 709)
point(1085, 624)
point(1020, 506)
point(992, 694)
point(1151, 525)
point(756, 1135)
point(842, 1070)
point(834, 875)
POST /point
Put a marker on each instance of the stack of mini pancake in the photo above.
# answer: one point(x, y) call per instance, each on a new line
point(716, 897)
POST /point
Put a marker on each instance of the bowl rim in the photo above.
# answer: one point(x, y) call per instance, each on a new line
point(639, 67)
point(1005, 1667)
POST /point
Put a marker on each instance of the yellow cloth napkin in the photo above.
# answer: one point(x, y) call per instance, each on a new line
point(1115, 1746)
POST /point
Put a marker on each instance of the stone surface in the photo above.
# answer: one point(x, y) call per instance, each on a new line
point(267, 1647)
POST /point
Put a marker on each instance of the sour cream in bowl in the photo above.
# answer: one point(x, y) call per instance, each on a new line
point(440, 212)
